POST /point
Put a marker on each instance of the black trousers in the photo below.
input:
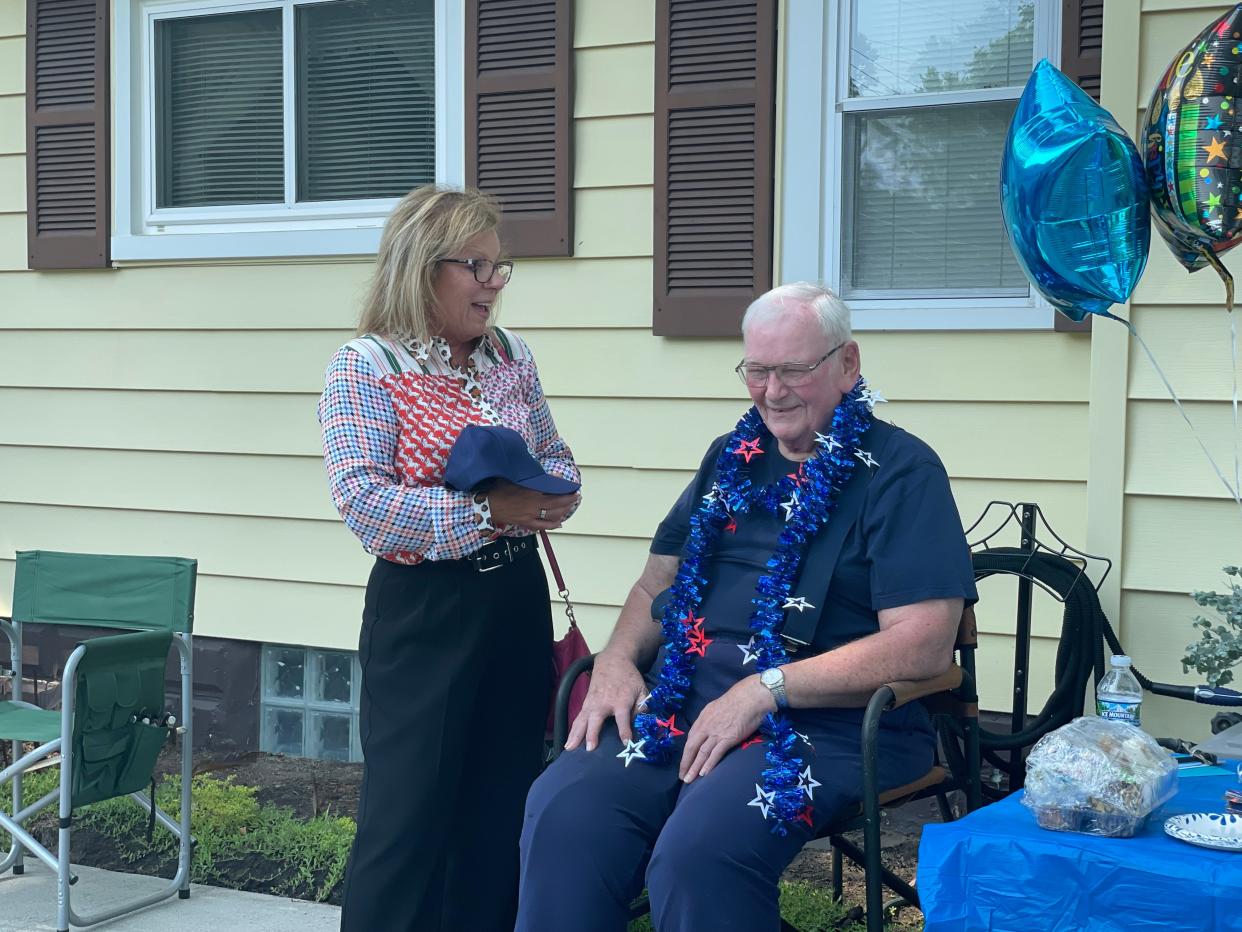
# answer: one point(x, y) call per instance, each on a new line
point(456, 680)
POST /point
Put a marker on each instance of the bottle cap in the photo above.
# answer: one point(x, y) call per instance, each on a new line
point(1121, 660)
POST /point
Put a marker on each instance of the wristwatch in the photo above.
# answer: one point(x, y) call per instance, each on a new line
point(774, 680)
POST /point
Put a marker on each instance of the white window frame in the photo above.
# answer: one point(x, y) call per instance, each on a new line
point(141, 232)
point(813, 190)
point(311, 660)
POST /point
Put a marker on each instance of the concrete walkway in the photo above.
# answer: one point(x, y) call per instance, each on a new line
point(28, 904)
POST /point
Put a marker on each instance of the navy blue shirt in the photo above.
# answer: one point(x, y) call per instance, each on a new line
point(906, 546)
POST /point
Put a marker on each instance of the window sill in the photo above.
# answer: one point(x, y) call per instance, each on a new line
point(949, 315)
point(360, 241)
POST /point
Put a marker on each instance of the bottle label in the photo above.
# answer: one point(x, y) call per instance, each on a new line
point(1118, 711)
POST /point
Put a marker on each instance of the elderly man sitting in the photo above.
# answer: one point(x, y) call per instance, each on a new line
point(729, 748)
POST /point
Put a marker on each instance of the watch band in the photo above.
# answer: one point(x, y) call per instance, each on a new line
point(776, 687)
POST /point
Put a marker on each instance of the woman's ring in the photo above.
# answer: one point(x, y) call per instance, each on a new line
point(543, 514)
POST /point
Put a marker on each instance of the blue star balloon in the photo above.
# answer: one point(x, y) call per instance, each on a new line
point(1074, 197)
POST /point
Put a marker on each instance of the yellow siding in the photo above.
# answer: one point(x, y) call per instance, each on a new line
point(1179, 525)
point(170, 407)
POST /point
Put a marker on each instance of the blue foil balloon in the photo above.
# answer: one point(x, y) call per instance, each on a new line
point(1074, 197)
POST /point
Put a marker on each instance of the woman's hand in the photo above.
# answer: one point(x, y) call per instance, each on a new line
point(615, 692)
point(723, 724)
point(525, 508)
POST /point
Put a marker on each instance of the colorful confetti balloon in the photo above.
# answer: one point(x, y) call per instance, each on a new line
point(1193, 139)
point(1074, 197)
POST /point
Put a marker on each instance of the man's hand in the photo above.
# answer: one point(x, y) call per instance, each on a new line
point(616, 689)
point(723, 724)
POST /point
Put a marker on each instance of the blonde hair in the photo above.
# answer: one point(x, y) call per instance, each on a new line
point(429, 223)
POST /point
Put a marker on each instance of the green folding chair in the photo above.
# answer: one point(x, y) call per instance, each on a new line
point(111, 725)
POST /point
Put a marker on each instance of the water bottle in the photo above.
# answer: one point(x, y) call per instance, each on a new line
point(1119, 695)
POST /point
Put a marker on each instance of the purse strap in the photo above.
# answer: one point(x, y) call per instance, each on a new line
point(561, 589)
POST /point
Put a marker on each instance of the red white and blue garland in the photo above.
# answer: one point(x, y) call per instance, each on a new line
point(808, 499)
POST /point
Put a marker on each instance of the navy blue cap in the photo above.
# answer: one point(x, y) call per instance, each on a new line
point(485, 453)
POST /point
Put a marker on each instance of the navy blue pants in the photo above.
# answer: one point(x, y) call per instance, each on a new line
point(596, 831)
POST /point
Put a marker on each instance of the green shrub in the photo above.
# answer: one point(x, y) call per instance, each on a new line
point(1220, 645)
point(228, 824)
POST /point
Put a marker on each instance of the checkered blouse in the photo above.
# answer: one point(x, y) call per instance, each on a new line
point(391, 411)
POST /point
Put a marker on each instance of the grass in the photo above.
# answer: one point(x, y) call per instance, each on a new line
point(230, 827)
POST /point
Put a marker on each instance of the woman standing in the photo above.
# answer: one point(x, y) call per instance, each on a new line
point(456, 631)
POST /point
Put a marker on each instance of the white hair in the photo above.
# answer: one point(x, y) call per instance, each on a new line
point(830, 310)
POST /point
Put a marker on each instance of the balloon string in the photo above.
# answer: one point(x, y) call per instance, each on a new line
point(1233, 493)
point(1233, 347)
point(1215, 263)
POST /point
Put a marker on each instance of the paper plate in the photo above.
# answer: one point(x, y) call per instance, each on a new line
point(1207, 830)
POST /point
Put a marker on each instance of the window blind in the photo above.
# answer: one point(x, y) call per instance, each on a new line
point(925, 212)
point(365, 98)
point(219, 124)
point(917, 46)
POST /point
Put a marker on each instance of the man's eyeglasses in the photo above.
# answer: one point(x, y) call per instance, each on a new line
point(484, 269)
point(789, 373)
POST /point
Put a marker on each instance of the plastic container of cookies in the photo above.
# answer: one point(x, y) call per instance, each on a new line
point(1097, 777)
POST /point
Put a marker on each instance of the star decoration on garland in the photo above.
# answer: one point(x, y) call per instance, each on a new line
point(804, 815)
point(671, 724)
point(698, 642)
point(748, 449)
point(865, 456)
point(763, 800)
point(633, 751)
point(807, 783)
point(790, 505)
point(828, 443)
point(711, 497)
point(731, 527)
point(749, 653)
point(799, 603)
point(753, 739)
point(870, 397)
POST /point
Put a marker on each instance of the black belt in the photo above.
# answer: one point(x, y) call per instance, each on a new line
point(500, 553)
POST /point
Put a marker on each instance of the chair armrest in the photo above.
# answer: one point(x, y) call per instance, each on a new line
point(905, 691)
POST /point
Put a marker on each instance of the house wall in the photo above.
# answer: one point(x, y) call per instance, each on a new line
point(170, 407)
point(1176, 526)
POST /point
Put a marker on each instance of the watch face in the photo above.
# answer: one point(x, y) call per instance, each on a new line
point(771, 677)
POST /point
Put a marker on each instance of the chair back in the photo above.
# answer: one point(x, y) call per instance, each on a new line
point(105, 591)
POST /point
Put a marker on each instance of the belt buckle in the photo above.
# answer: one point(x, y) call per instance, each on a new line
point(501, 560)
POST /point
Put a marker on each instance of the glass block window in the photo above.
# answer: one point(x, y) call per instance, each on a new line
point(309, 703)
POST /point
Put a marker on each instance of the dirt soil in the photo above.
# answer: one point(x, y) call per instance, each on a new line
point(311, 787)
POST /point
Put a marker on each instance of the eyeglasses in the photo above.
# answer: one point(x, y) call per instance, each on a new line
point(789, 373)
point(484, 269)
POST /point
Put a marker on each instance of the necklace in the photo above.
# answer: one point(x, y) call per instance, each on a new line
point(808, 499)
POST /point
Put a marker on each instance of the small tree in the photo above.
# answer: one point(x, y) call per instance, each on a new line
point(1220, 645)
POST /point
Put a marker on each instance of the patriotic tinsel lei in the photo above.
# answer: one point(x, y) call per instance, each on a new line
point(733, 494)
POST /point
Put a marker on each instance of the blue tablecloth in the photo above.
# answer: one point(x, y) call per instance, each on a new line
point(996, 870)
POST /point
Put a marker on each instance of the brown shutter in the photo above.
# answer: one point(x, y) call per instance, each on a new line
point(67, 148)
point(715, 86)
point(519, 112)
point(1082, 39)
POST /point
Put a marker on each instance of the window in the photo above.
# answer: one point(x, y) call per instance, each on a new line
point(913, 109)
point(309, 703)
point(280, 127)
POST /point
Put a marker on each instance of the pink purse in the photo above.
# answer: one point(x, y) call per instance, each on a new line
point(571, 647)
